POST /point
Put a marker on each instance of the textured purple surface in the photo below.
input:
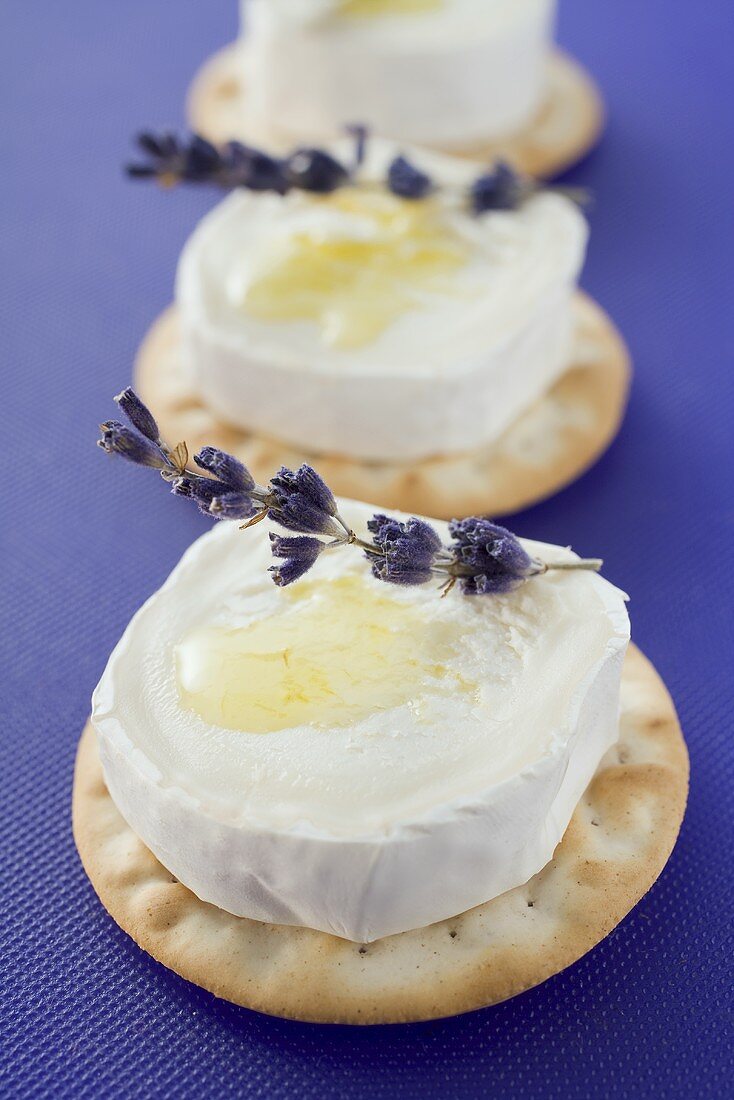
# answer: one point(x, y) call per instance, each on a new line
point(87, 261)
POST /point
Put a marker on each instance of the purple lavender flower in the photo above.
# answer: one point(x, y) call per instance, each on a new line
point(302, 502)
point(120, 440)
point(202, 490)
point(159, 149)
point(407, 181)
point(314, 170)
point(299, 554)
point(201, 160)
point(245, 166)
point(142, 443)
point(196, 160)
point(225, 468)
point(483, 558)
point(489, 559)
point(230, 493)
point(170, 160)
point(234, 505)
point(407, 551)
point(160, 145)
point(167, 158)
point(500, 189)
point(138, 414)
point(214, 498)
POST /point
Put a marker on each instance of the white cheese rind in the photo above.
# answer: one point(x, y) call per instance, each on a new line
point(326, 829)
point(470, 72)
point(447, 378)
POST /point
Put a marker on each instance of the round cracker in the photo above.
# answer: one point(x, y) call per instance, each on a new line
point(616, 845)
point(564, 130)
point(548, 447)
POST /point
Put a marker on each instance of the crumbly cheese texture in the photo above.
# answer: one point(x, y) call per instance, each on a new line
point(447, 73)
point(371, 326)
point(319, 755)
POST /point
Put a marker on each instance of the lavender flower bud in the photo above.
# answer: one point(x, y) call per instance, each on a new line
point(300, 554)
point(236, 505)
point(314, 170)
point(488, 559)
point(408, 550)
point(167, 157)
point(158, 145)
point(302, 502)
point(399, 572)
point(251, 168)
point(202, 160)
point(120, 440)
point(138, 414)
point(500, 189)
point(225, 467)
point(407, 181)
point(202, 490)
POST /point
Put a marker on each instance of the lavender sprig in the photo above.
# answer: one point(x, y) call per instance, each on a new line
point(171, 160)
point(483, 558)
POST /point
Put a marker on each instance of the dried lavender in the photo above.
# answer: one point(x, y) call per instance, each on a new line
point(314, 170)
point(482, 558)
point(406, 552)
point(301, 501)
point(499, 189)
point(299, 554)
point(407, 181)
point(171, 160)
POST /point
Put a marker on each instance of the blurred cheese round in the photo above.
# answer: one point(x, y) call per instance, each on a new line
point(351, 756)
point(375, 327)
point(443, 73)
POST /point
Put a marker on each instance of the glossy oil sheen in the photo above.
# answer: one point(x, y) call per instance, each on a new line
point(353, 286)
point(330, 655)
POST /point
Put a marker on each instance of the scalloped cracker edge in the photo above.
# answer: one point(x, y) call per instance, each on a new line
point(616, 845)
point(547, 448)
point(567, 126)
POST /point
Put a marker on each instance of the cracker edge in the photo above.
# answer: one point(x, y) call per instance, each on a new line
point(218, 82)
point(499, 480)
point(488, 977)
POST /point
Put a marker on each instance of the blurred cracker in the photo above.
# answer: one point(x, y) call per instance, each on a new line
point(547, 448)
point(567, 126)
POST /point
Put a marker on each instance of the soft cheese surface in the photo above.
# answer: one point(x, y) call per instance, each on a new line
point(354, 263)
point(238, 738)
point(467, 693)
point(430, 20)
point(327, 655)
point(443, 73)
point(492, 275)
point(377, 328)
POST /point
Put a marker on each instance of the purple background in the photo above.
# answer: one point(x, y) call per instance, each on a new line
point(87, 262)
